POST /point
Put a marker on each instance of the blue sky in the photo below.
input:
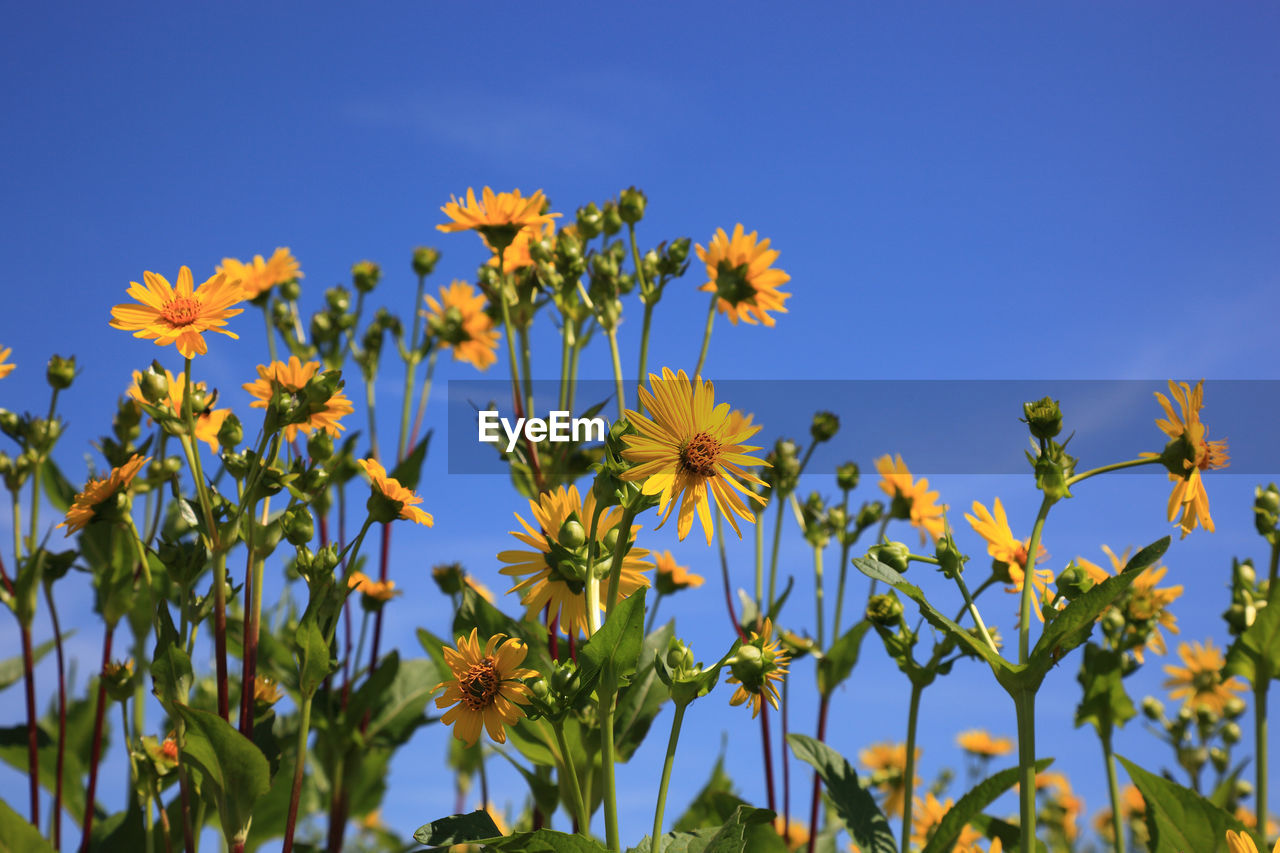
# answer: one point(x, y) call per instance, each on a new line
point(987, 191)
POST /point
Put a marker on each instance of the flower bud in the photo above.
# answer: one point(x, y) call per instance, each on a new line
point(230, 434)
point(290, 290)
point(1220, 759)
point(338, 298)
point(631, 204)
point(319, 446)
point(60, 372)
point(950, 560)
point(1153, 708)
point(1243, 574)
point(449, 577)
point(673, 258)
point(562, 677)
point(1074, 582)
point(847, 476)
point(540, 688)
point(679, 656)
point(117, 680)
point(298, 526)
point(1266, 506)
point(590, 221)
point(425, 259)
point(870, 514)
point(1233, 707)
point(784, 471)
point(1043, 417)
point(892, 554)
point(1231, 733)
point(154, 385)
point(365, 275)
point(884, 610)
point(573, 535)
point(824, 427)
point(611, 220)
point(237, 464)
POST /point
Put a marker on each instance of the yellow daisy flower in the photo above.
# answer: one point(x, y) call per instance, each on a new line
point(258, 276)
point(266, 691)
point(459, 322)
point(1200, 683)
point(888, 765)
point(378, 591)
point(96, 492)
point(451, 578)
point(390, 488)
point(927, 813)
point(292, 377)
point(1249, 818)
point(1189, 502)
point(180, 315)
point(498, 217)
point(980, 742)
point(670, 577)
point(1003, 548)
point(690, 449)
point(793, 833)
point(208, 421)
point(553, 575)
point(739, 270)
point(924, 512)
point(756, 671)
point(5, 369)
point(1144, 604)
point(516, 256)
point(485, 690)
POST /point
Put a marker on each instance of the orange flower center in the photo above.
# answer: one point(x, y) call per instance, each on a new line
point(480, 684)
point(700, 455)
point(182, 311)
point(169, 749)
point(1020, 555)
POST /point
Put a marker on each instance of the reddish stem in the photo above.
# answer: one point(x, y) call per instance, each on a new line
point(96, 748)
point(220, 657)
point(249, 665)
point(383, 567)
point(786, 767)
point(33, 742)
point(62, 723)
point(553, 635)
point(188, 835)
point(728, 597)
point(824, 705)
point(768, 753)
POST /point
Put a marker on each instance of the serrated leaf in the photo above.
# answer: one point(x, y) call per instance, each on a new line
point(1255, 655)
point(838, 662)
point(618, 641)
point(1179, 819)
point(401, 708)
point(457, 829)
point(313, 654)
point(1105, 703)
point(640, 701)
point(856, 806)
point(545, 841)
point(971, 805)
point(702, 811)
point(232, 765)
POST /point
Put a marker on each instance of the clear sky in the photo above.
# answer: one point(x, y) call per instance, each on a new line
point(995, 191)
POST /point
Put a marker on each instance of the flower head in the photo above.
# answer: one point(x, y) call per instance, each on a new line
point(981, 743)
point(758, 664)
point(792, 832)
point(888, 765)
point(1144, 606)
point(516, 256)
point(1188, 454)
point(266, 691)
point(927, 813)
point(554, 574)
point(919, 504)
point(97, 492)
point(375, 593)
point(5, 369)
point(458, 321)
point(739, 271)
point(498, 217)
point(670, 577)
point(208, 420)
point(258, 276)
point(1003, 548)
point(690, 451)
point(180, 315)
point(1200, 684)
point(292, 378)
point(485, 690)
point(452, 579)
point(403, 501)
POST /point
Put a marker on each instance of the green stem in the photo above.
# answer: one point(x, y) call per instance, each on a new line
point(845, 544)
point(1113, 790)
point(619, 553)
point(593, 582)
point(575, 351)
point(507, 331)
point(580, 813)
point(1260, 756)
point(566, 334)
point(423, 396)
point(1273, 589)
point(410, 370)
point(299, 766)
point(608, 689)
point(1115, 466)
point(909, 770)
point(644, 351)
point(653, 614)
point(617, 370)
point(1024, 704)
point(706, 335)
point(973, 611)
point(526, 371)
point(271, 333)
point(773, 558)
point(370, 401)
point(656, 838)
point(759, 568)
point(1028, 583)
point(817, 588)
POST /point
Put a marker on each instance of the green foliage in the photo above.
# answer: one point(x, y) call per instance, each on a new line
point(970, 806)
point(743, 830)
point(618, 642)
point(1179, 819)
point(836, 665)
point(641, 700)
point(457, 829)
point(1105, 703)
point(409, 471)
point(17, 835)
point(1255, 655)
point(232, 766)
point(854, 803)
point(11, 668)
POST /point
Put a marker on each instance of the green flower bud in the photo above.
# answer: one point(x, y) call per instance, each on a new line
point(679, 656)
point(1266, 506)
point(60, 372)
point(672, 260)
point(824, 427)
point(847, 476)
point(449, 577)
point(298, 526)
point(365, 275)
point(230, 434)
point(319, 446)
point(290, 290)
point(117, 680)
point(870, 514)
point(10, 424)
point(237, 464)
point(590, 221)
point(783, 475)
point(1153, 709)
point(540, 688)
point(631, 204)
point(1074, 582)
point(1243, 574)
point(562, 677)
point(1233, 707)
point(1231, 733)
point(425, 260)
point(154, 385)
point(573, 535)
point(321, 326)
point(892, 554)
point(611, 220)
point(338, 299)
point(884, 610)
point(1220, 759)
point(1043, 417)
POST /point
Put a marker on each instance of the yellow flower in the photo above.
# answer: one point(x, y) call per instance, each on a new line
point(550, 578)
point(5, 369)
point(497, 216)
point(485, 689)
point(979, 742)
point(1063, 808)
point(1200, 683)
point(390, 488)
point(923, 511)
point(1143, 604)
point(1190, 449)
point(740, 271)
point(1003, 548)
point(498, 821)
point(1242, 842)
point(888, 765)
point(690, 447)
point(793, 833)
point(266, 691)
point(756, 671)
point(96, 492)
point(179, 315)
point(926, 814)
point(292, 378)
point(378, 591)
point(670, 577)
point(451, 578)
point(208, 421)
point(1132, 808)
point(1247, 817)
point(516, 256)
point(258, 276)
point(459, 322)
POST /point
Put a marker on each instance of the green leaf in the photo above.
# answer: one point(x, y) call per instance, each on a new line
point(1255, 655)
point(737, 835)
point(640, 701)
point(315, 660)
point(618, 641)
point(457, 829)
point(1105, 703)
point(834, 667)
point(401, 708)
point(17, 835)
point(57, 487)
point(702, 812)
point(856, 806)
point(11, 669)
point(1178, 819)
point(1073, 625)
point(232, 766)
point(13, 751)
point(409, 471)
point(971, 805)
point(545, 841)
